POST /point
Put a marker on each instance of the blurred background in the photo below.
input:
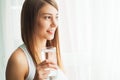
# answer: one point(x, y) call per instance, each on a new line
point(89, 37)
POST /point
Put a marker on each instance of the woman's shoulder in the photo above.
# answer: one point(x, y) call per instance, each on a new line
point(18, 57)
point(17, 64)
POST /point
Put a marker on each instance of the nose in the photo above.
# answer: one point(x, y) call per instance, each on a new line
point(54, 22)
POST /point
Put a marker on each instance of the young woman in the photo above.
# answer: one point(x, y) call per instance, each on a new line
point(39, 29)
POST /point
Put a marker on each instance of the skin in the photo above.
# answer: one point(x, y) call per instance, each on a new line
point(46, 24)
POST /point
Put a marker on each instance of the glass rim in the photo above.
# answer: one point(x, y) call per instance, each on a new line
point(49, 49)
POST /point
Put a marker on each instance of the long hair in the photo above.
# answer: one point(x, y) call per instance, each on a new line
point(28, 17)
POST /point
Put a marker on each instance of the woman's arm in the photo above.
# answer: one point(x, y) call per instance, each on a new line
point(17, 67)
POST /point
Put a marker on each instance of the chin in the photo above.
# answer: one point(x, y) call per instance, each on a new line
point(50, 38)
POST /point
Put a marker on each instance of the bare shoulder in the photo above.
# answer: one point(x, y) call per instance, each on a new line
point(17, 66)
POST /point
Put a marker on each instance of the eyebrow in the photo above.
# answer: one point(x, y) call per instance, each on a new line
point(47, 14)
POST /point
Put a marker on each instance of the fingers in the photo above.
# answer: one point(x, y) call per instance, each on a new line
point(48, 64)
point(44, 74)
point(43, 69)
point(41, 74)
point(49, 61)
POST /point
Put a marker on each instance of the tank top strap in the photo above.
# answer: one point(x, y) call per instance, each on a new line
point(31, 65)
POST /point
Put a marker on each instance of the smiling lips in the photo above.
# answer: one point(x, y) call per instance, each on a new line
point(50, 31)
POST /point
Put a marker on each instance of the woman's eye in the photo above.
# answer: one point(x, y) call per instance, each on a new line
point(47, 17)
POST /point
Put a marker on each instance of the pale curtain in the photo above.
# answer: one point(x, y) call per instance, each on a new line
point(10, 37)
point(90, 39)
point(89, 36)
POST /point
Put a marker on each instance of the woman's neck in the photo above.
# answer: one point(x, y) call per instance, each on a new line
point(40, 44)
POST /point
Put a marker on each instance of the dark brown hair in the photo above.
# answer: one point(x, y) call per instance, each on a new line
point(28, 17)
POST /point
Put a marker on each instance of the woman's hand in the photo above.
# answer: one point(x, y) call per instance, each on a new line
point(42, 70)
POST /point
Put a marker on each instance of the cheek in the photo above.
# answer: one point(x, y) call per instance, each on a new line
point(42, 26)
point(41, 30)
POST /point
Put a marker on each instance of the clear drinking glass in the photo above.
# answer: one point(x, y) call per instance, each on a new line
point(50, 54)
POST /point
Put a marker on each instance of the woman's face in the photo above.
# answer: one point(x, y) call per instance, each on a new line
point(47, 22)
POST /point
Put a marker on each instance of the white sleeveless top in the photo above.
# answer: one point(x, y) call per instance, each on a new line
point(32, 68)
